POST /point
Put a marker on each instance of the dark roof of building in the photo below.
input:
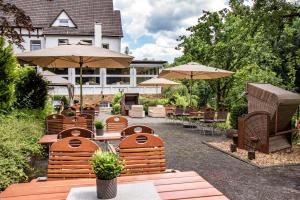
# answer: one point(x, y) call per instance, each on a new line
point(84, 13)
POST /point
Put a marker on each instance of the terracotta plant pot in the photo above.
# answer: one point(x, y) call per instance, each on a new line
point(106, 189)
point(99, 132)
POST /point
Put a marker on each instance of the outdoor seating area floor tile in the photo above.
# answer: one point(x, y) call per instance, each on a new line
point(236, 179)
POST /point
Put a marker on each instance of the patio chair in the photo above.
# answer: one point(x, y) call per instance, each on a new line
point(147, 157)
point(76, 132)
point(136, 111)
point(136, 129)
point(54, 124)
point(66, 111)
point(116, 123)
point(89, 110)
point(158, 111)
point(208, 119)
point(67, 161)
point(269, 120)
point(178, 114)
point(86, 121)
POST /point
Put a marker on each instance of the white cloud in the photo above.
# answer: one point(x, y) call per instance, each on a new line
point(164, 20)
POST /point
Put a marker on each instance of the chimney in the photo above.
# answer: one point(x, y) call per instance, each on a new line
point(98, 34)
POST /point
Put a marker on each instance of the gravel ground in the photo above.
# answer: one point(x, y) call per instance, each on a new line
point(236, 179)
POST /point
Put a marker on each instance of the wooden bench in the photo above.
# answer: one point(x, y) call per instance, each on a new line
point(67, 161)
point(142, 154)
point(136, 129)
point(116, 123)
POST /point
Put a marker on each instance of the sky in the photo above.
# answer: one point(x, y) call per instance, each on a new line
point(151, 27)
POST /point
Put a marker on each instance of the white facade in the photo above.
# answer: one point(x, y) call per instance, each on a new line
point(95, 81)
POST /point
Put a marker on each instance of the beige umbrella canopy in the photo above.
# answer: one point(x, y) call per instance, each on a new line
point(76, 56)
point(194, 71)
point(156, 82)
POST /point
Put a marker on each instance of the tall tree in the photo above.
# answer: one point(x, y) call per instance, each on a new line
point(8, 75)
point(11, 19)
point(238, 38)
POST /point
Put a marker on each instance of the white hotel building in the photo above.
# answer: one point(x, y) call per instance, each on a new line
point(95, 22)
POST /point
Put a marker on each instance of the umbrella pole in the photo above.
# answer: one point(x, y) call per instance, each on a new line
point(191, 89)
point(81, 98)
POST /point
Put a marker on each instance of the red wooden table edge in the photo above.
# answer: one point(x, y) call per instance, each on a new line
point(10, 192)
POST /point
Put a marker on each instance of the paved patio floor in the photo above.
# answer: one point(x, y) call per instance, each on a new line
point(236, 179)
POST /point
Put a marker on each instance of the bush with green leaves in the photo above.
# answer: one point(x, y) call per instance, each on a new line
point(31, 90)
point(19, 133)
point(106, 165)
point(99, 124)
point(8, 75)
point(236, 112)
point(116, 103)
point(146, 102)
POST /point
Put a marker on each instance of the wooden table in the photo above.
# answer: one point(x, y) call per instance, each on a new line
point(181, 185)
point(107, 136)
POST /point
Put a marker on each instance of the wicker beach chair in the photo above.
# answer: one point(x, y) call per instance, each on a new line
point(269, 120)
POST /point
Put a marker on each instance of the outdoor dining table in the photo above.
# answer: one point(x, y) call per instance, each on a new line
point(180, 185)
point(107, 136)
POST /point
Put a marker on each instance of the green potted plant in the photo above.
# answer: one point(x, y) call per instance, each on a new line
point(106, 166)
point(99, 125)
point(71, 114)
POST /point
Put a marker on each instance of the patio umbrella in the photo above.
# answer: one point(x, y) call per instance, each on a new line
point(157, 82)
point(194, 71)
point(76, 56)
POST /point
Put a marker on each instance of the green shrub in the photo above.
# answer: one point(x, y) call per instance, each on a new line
point(71, 114)
point(236, 112)
point(31, 90)
point(116, 103)
point(99, 124)
point(106, 165)
point(116, 109)
point(146, 102)
point(8, 75)
point(19, 133)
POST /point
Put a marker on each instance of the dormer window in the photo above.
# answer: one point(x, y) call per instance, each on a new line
point(64, 22)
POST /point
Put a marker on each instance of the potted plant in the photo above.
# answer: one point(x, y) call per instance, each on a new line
point(99, 127)
point(71, 114)
point(106, 166)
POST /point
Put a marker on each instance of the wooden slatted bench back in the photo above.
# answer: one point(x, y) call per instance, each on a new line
point(116, 123)
point(136, 129)
point(78, 121)
point(146, 157)
point(54, 124)
point(66, 111)
point(67, 162)
point(76, 131)
point(89, 110)
point(89, 121)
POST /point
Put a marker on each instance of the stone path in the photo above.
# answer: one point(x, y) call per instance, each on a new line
point(236, 179)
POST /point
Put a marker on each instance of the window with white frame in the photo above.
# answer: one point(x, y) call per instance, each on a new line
point(35, 45)
point(118, 76)
point(63, 42)
point(146, 73)
point(61, 72)
point(64, 22)
point(90, 76)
